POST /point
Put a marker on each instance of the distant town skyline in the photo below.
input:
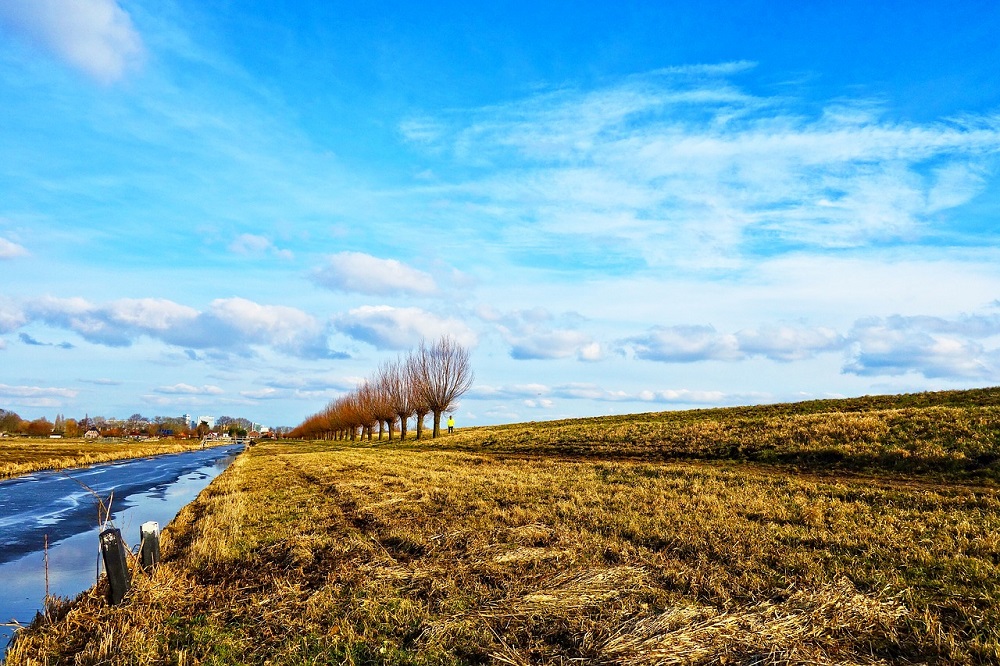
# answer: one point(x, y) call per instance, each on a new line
point(245, 208)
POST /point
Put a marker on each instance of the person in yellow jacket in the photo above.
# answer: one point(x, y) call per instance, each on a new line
point(451, 423)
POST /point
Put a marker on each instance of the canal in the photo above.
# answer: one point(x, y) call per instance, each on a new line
point(62, 507)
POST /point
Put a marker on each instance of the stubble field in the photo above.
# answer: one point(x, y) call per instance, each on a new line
point(876, 539)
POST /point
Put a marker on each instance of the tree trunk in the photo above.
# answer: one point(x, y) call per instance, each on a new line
point(437, 423)
point(420, 424)
point(381, 426)
point(402, 428)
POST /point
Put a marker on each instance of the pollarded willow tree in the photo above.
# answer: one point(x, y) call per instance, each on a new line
point(418, 400)
point(443, 374)
point(392, 376)
point(428, 381)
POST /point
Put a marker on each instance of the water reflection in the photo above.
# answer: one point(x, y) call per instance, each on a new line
point(70, 521)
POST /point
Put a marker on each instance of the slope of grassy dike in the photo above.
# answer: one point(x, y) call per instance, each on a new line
point(949, 435)
point(543, 544)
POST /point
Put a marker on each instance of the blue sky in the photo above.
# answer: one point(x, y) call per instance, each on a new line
point(222, 208)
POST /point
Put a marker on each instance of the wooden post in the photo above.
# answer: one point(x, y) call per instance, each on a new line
point(119, 577)
point(149, 549)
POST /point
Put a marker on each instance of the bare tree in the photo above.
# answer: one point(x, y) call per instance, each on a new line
point(445, 374)
point(429, 381)
point(394, 378)
point(417, 395)
point(382, 406)
point(365, 398)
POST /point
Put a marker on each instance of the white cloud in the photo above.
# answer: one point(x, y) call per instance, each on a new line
point(421, 131)
point(187, 389)
point(12, 317)
point(542, 403)
point(364, 274)
point(387, 327)
point(785, 343)
point(966, 347)
point(264, 394)
point(284, 328)
point(487, 392)
point(538, 334)
point(95, 36)
point(552, 345)
point(689, 344)
point(256, 246)
point(685, 344)
point(229, 324)
point(541, 395)
point(11, 250)
point(686, 396)
point(17, 392)
point(116, 323)
point(592, 351)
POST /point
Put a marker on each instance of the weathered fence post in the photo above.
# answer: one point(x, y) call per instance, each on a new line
point(119, 577)
point(149, 540)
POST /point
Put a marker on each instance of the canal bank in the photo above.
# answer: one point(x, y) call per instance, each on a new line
point(60, 509)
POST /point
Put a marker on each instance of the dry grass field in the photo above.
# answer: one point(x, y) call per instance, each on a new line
point(24, 455)
point(821, 533)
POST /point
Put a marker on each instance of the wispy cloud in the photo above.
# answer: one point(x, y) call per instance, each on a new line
point(256, 246)
point(101, 382)
point(364, 274)
point(264, 394)
point(692, 171)
point(187, 389)
point(94, 36)
point(36, 396)
point(542, 395)
point(28, 340)
point(11, 250)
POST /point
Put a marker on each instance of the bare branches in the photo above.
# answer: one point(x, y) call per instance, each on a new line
point(431, 380)
point(445, 374)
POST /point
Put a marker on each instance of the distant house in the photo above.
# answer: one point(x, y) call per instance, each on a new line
point(92, 433)
point(55, 435)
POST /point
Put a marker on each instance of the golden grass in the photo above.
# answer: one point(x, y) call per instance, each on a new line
point(445, 553)
point(375, 555)
point(22, 456)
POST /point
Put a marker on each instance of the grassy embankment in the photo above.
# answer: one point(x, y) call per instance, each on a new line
point(842, 532)
point(22, 456)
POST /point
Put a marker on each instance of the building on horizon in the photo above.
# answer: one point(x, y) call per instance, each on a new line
point(210, 420)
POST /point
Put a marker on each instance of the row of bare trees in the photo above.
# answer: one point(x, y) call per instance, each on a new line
point(427, 381)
